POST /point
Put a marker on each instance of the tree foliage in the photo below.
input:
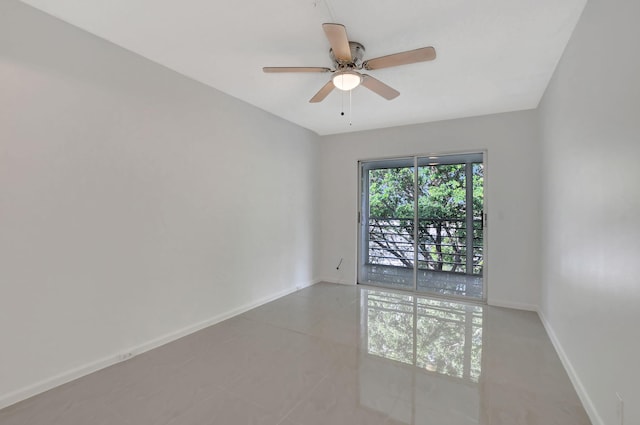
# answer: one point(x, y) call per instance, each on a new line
point(441, 191)
point(441, 206)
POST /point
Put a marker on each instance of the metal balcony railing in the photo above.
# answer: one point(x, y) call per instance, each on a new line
point(442, 245)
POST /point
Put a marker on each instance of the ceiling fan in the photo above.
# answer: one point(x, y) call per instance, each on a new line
point(347, 61)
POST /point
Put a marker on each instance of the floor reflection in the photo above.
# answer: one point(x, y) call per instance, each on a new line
point(436, 352)
point(436, 335)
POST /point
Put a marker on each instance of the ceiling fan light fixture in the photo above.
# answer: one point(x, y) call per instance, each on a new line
point(347, 80)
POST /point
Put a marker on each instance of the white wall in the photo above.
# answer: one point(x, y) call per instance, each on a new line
point(116, 174)
point(590, 118)
point(513, 181)
point(135, 204)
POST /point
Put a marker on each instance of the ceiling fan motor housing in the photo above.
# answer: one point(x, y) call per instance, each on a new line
point(357, 53)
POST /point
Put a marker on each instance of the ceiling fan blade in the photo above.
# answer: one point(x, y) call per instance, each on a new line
point(403, 58)
point(269, 69)
point(337, 36)
point(324, 92)
point(379, 87)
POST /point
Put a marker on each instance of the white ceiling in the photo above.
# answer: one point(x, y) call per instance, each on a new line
point(493, 55)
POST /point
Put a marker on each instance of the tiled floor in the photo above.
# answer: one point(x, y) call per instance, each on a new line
point(332, 355)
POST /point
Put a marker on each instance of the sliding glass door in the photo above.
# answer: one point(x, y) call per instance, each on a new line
point(386, 223)
point(421, 224)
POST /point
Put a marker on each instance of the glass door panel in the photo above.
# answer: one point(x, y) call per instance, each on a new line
point(387, 250)
point(450, 197)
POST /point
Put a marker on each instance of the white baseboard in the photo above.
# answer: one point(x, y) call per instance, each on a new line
point(336, 281)
point(56, 380)
point(511, 304)
point(302, 286)
point(568, 366)
point(80, 371)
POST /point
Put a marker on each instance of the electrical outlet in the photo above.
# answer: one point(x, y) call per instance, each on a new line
point(124, 356)
point(620, 409)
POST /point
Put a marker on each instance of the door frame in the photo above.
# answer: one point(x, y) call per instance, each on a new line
point(360, 249)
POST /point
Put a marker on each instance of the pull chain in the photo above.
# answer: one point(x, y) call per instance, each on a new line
point(350, 115)
point(350, 106)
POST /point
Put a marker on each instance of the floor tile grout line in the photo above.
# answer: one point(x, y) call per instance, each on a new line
point(311, 391)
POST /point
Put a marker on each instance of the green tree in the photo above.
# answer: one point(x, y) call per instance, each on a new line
point(441, 192)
